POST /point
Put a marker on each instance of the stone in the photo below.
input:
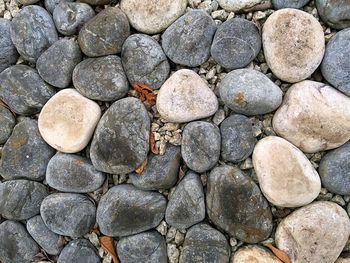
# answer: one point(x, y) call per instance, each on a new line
point(237, 138)
point(314, 117)
point(9, 53)
point(150, 17)
point(101, 78)
point(200, 146)
point(23, 90)
point(336, 13)
point(250, 92)
point(279, 4)
point(56, 64)
point(25, 154)
point(256, 254)
point(68, 214)
point(187, 41)
point(97, 2)
point(314, 233)
point(161, 171)
point(236, 43)
point(121, 140)
point(68, 120)
point(205, 244)
point(27, 2)
point(185, 97)
point(73, 173)
point(8, 122)
point(79, 251)
point(32, 32)
point(294, 44)
point(125, 210)
point(237, 5)
point(233, 203)
point(146, 247)
point(144, 61)
point(105, 33)
point(50, 5)
point(186, 205)
point(343, 260)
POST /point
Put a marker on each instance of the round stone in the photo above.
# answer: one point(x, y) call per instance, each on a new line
point(293, 43)
point(97, 2)
point(336, 13)
point(9, 53)
point(237, 5)
point(50, 5)
point(79, 251)
point(279, 4)
point(256, 254)
point(8, 122)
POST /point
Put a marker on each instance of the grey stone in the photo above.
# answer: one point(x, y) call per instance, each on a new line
point(68, 214)
point(121, 140)
point(336, 13)
point(32, 32)
point(236, 205)
point(125, 210)
point(97, 2)
point(146, 247)
point(25, 154)
point(200, 147)
point(50, 5)
point(144, 61)
point(101, 78)
point(8, 122)
point(27, 2)
point(187, 41)
point(161, 171)
point(236, 43)
point(79, 251)
point(8, 55)
point(279, 4)
point(250, 92)
point(73, 173)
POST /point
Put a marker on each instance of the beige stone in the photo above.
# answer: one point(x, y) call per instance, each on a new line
point(236, 5)
point(68, 120)
point(343, 260)
point(314, 117)
point(294, 44)
point(254, 254)
point(286, 177)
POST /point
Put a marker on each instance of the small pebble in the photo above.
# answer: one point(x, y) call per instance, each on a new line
point(237, 5)
point(256, 254)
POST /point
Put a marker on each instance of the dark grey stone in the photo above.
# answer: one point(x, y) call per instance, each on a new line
point(105, 33)
point(68, 214)
point(187, 41)
point(101, 78)
point(161, 171)
point(8, 122)
point(125, 210)
point(236, 43)
point(25, 154)
point(279, 4)
point(144, 61)
point(79, 251)
point(50, 5)
point(96, 2)
point(121, 140)
point(336, 13)
point(200, 147)
point(250, 92)
point(8, 55)
point(16, 245)
point(146, 247)
point(32, 32)
point(205, 244)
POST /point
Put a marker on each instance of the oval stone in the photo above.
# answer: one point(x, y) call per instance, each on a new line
point(9, 53)
point(254, 254)
point(79, 251)
point(336, 13)
point(8, 122)
point(50, 5)
point(237, 5)
point(279, 4)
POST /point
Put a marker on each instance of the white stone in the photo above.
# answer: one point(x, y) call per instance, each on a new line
point(254, 254)
point(236, 5)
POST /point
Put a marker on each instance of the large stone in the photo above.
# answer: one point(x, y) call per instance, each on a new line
point(237, 5)
point(8, 122)
point(254, 254)
point(9, 53)
point(79, 251)
point(279, 4)
point(97, 2)
point(50, 5)
point(336, 13)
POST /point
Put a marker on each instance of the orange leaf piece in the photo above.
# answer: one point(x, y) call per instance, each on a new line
point(279, 253)
point(107, 243)
point(139, 169)
point(146, 93)
point(152, 143)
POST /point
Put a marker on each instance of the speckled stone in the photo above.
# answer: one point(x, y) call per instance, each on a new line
point(336, 13)
point(254, 254)
point(79, 251)
point(50, 5)
point(9, 53)
point(8, 122)
point(237, 5)
point(279, 4)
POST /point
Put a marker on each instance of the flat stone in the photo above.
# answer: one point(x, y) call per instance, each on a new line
point(125, 210)
point(279, 4)
point(237, 5)
point(68, 120)
point(8, 122)
point(233, 203)
point(185, 97)
point(79, 251)
point(293, 43)
point(314, 233)
point(50, 5)
point(256, 254)
point(9, 53)
point(314, 117)
point(334, 12)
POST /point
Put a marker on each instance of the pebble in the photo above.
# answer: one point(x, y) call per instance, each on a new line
point(105, 33)
point(79, 251)
point(146, 247)
point(101, 78)
point(32, 32)
point(124, 210)
point(9, 53)
point(50, 5)
point(233, 203)
point(236, 43)
point(250, 92)
point(8, 122)
point(200, 147)
point(279, 4)
point(68, 120)
point(335, 13)
point(343, 260)
point(187, 41)
point(185, 97)
point(121, 140)
point(68, 214)
point(27, 2)
point(25, 154)
point(173, 253)
point(293, 43)
point(98, 2)
point(237, 5)
point(320, 231)
point(150, 17)
point(254, 254)
point(144, 61)
point(314, 117)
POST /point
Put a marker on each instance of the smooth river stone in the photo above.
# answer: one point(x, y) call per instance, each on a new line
point(8, 122)
point(314, 117)
point(9, 53)
point(279, 4)
point(237, 5)
point(79, 251)
point(50, 5)
point(293, 43)
point(336, 13)
point(254, 254)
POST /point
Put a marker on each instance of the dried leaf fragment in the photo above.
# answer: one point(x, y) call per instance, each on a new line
point(279, 253)
point(141, 167)
point(152, 143)
point(107, 243)
point(146, 93)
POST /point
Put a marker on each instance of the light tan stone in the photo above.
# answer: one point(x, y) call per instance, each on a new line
point(254, 254)
point(343, 260)
point(236, 5)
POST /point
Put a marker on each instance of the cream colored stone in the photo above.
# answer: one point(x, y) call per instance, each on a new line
point(68, 120)
point(254, 254)
point(236, 5)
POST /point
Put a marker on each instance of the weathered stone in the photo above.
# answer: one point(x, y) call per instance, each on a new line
point(336, 13)
point(79, 251)
point(97, 2)
point(279, 4)
point(237, 5)
point(50, 5)
point(9, 53)
point(8, 122)
point(254, 254)
point(343, 260)
point(27, 2)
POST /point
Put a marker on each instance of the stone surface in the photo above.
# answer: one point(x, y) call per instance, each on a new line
point(185, 97)
point(125, 210)
point(79, 251)
point(8, 122)
point(97, 2)
point(254, 254)
point(27, 2)
point(293, 43)
point(50, 5)
point(314, 233)
point(343, 260)
point(279, 4)
point(68, 120)
point(237, 5)
point(236, 205)
point(336, 13)
point(9, 53)
point(314, 117)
